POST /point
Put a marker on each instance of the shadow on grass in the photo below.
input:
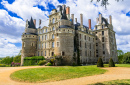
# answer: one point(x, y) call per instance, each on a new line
point(111, 84)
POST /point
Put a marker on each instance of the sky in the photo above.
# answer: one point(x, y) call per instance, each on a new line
point(14, 13)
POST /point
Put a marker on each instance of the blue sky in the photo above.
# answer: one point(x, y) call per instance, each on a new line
point(14, 13)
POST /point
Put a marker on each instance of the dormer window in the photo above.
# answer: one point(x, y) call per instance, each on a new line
point(53, 20)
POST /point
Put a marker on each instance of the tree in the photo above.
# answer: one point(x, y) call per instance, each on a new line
point(17, 59)
point(111, 63)
point(100, 63)
point(7, 60)
point(126, 58)
point(120, 54)
point(105, 2)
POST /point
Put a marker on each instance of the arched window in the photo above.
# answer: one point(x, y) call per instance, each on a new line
point(53, 20)
point(53, 28)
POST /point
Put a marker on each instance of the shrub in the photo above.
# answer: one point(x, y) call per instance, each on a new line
point(42, 62)
point(49, 64)
point(2, 65)
point(100, 63)
point(111, 63)
point(126, 58)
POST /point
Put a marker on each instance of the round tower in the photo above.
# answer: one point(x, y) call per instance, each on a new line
point(29, 40)
point(64, 42)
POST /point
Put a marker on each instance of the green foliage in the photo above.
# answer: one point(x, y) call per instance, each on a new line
point(1, 58)
point(7, 60)
point(126, 58)
point(52, 61)
point(111, 63)
point(120, 52)
point(100, 63)
point(32, 60)
point(49, 64)
point(42, 62)
point(2, 65)
point(120, 57)
point(17, 59)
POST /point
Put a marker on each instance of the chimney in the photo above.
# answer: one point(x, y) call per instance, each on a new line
point(97, 20)
point(72, 17)
point(76, 20)
point(89, 22)
point(68, 12)
point(100, 18)
point(110, 18)
point(39, 22)
point(34, 21)
point(81, 19)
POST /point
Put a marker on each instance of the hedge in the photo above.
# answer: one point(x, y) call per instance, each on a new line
point(32, 60)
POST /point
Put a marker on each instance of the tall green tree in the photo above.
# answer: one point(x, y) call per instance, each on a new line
point(17, 59)
point(126, 58)
point(120, 54)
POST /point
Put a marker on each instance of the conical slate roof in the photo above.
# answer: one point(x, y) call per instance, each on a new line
point(31, 23)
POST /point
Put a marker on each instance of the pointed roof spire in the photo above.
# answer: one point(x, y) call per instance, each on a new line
point(31, 23)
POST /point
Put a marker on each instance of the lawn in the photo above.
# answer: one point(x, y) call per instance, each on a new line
point(118, 65)
point(55, 73)
point(115, 82)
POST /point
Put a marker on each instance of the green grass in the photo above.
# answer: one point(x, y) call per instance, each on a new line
point(118, 65)
point(55, 73)
point(115, 82)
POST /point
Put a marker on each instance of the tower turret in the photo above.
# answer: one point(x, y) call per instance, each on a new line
point(29, 40)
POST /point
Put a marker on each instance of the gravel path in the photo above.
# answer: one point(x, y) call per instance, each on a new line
point(112, 74)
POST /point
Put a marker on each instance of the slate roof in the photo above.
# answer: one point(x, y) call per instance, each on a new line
point(31, 24)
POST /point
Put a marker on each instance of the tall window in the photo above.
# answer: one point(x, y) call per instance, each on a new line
point(38, 53)
point(96, 27)
point(39, 38)
point(102, 39)
point(39, 45)
point(80, 36)
point(45, 37)
point(89, 38)
point(102, 26)
point(102, 32)
point(103, 52)
point(43, 31)
point(52, 36)
point(45, 53)
point(85, 53)
point(85, 45)
point(52, 54)
point(85, 37)
point(52, 44)
point(46, 30)
point(96, 44)
point(42, 38)
point(42, 45)
point(90, 53)
point(80, 43)
point(45, 44)
point(103, 46)
point(90, 45)
point(58, 44)
point(81, 52)
point(53, 28)
point(53, 20)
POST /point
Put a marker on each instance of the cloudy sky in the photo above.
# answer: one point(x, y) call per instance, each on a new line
point(14, 13)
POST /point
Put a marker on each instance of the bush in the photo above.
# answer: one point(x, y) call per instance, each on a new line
point(42, 62)
point(111, 63)
point(2, 65)
point(49, 64)
point(32, 60)
point(100, 63)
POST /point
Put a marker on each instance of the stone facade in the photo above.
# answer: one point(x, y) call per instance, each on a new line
point(59, 38)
